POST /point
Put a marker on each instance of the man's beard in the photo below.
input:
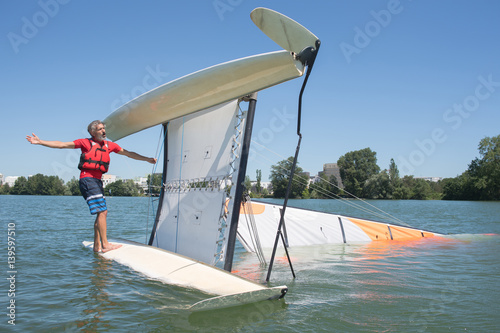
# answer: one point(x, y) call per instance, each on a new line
point(100, 137)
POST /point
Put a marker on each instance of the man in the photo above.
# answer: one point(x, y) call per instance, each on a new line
point(94, 161)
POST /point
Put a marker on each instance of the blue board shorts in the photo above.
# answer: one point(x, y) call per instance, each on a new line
point(93, 192)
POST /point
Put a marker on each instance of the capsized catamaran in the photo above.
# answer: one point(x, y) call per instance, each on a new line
point(305, 227)
point(308, 227)
point(207, 137)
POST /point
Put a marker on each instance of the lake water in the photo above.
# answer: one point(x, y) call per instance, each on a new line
point(429, 285)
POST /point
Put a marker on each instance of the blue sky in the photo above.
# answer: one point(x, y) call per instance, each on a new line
point(417, 81)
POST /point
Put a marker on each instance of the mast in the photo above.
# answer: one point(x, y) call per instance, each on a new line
point(307, 56)
point(162, 190)
point(245, 150)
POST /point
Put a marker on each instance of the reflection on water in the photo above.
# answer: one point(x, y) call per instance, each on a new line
point(98, 301)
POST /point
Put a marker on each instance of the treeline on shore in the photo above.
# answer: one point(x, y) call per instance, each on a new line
point(361, 177)
point(53, 185)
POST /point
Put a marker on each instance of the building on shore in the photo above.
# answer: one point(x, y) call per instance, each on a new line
point(108, 179)
point(142, 182)
point(332, 169)
point(430, 179)
point(10, 180)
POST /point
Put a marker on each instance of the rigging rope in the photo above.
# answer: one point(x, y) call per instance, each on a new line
point(252, 227)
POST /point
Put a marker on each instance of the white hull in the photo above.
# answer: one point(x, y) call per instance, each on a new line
point(201, 90)
point(175, 269)
point(306, 227)
point(285, 32)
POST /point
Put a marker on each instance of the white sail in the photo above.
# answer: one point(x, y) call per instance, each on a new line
point(202, 152)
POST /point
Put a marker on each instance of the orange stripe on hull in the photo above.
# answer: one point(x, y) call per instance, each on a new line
point(380, 231)
point(405, 233)
point(256, 209)
point(376, 231)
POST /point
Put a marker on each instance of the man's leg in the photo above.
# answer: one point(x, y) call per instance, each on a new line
point(100, 238)
point(92, 192)
point(100, 221)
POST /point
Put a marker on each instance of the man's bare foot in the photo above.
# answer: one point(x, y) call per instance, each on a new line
point(111, 247)
point(97, 250)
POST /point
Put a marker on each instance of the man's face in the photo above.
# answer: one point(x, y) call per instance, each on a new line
point(100, 132)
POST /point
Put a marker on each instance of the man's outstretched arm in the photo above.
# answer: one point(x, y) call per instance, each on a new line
point(136, 156)
point(34, 140)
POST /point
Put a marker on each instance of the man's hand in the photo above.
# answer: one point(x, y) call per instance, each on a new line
point(34, 140)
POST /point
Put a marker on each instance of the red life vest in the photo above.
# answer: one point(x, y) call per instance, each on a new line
point(97, 158)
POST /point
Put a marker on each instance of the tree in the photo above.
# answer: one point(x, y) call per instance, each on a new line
point(280, 174)
point(324, 188)
point(247, 183)
point(45, 185)
point(416, 188)
point(155, 184)
point(487, 169)
point(393, 171)
point(20, 187)
point(378, 186)
point(481, 181)
point(73, 186)
point(122, 188)
point(421, 190)
point(436, 190)
point(333, 185)
point(356, 168)
point(402, 192)
point(394, 180)
point(258, 186)
point(56, 186)
point(5, 189)
point(37, 185)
